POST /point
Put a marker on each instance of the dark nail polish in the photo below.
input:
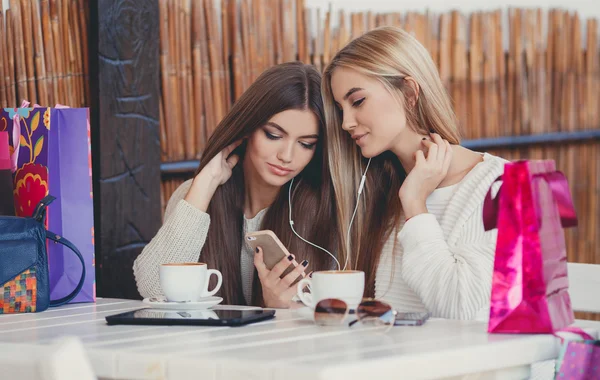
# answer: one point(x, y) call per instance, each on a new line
point(305, 263)
point(256, 249)
point(424, 138)
point(290, 257)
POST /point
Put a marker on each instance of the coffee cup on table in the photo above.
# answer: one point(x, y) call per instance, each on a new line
point(187, 282)
point(347, 285)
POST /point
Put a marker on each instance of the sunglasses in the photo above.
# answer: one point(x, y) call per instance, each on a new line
point(332, 312)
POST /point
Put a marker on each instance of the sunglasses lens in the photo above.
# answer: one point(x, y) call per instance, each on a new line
point(330, 312)
point(375, 312)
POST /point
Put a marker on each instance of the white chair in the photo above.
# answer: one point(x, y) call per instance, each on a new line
point(584, 287)
point(64, 359)
point(67, 361)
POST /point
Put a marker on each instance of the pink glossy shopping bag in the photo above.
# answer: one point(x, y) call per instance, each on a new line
point(530, 284)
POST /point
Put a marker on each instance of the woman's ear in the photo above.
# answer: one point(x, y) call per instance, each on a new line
point(413, 96)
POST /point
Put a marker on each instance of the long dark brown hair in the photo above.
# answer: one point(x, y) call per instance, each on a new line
point(283, 87)
point(389, 55)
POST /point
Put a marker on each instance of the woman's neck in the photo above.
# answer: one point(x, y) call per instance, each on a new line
point(407, 144)
point(463, 160)
point(258, 194)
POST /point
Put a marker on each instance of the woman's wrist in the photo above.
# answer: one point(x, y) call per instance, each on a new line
point(201, 192)
point(413, 208)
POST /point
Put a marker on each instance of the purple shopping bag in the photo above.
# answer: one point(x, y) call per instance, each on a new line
point(53, 157)
point(529, 284)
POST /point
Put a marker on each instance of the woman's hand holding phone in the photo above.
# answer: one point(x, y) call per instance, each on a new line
point(278, 292)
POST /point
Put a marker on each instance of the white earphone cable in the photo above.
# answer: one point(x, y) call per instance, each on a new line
point(360, 189)
point(301, 238)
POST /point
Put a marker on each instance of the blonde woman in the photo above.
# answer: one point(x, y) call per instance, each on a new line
point(417, 228)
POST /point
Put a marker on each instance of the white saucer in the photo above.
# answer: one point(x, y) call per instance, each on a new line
point(305, 313)
point(203, 303)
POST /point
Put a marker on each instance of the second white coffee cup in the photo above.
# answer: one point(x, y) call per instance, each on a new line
point(347, 286)
point(187, 282)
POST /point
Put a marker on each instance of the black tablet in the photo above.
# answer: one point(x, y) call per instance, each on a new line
point(208, 317)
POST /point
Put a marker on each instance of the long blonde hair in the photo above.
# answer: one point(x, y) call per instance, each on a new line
point(389, 55)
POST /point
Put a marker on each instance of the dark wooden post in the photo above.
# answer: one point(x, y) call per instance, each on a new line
point(124, 75)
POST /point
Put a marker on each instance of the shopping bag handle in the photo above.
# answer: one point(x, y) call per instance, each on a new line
point(61, 240)
point(38, 215)
point(560, 191)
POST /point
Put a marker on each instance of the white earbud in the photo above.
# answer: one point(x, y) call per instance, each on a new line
point(362, 183)
point(360, 189)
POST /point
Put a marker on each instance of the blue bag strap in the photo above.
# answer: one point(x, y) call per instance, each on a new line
point(39, 214)
point(40, 210)
point(61, 240)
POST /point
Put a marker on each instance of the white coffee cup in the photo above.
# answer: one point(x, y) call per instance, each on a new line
point(347, 286)
point(187, 282)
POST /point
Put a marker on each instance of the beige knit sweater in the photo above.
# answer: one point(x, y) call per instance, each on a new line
point(181, 239)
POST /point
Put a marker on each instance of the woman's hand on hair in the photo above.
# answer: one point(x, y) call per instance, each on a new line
point(278, 292)
point(214, 174)
point(429, 171)
point(220, 167)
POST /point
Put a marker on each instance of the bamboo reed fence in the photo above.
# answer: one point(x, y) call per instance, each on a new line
point(547, 78)
point(545, 81)
point(43, 53)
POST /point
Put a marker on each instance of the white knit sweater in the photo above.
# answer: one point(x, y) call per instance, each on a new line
point(440, 261)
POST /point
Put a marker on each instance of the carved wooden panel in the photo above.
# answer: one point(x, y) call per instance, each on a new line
point(124, 64)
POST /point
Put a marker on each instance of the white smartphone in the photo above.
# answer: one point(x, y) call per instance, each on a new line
point(273, 249)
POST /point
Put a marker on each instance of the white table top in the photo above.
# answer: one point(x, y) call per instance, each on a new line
point(288, 346)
